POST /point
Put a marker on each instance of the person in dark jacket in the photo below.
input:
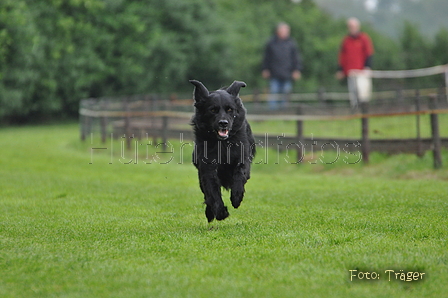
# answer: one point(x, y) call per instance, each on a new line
point(281, 65)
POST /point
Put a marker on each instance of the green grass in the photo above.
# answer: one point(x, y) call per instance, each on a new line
point(73, 229)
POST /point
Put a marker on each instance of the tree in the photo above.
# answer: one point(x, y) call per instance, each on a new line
point(55, 52)
point(415, 47)
point(440, 48)
point(19, 74)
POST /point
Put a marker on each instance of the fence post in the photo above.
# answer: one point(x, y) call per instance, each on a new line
point(83, 127)
point(321, 95)
point(420, 152)
point(103, 122)
point(103, 129)
point(86, 121)
point(299, 125)
point(365, 132)
point(154, 119)
point(164, 132)
point(446, 83)
point(147, 118)
point(127, 123)
point(400, 97)
point(435, 132)
point(88, 126)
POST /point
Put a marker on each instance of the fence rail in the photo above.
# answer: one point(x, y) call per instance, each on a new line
point(158, 118)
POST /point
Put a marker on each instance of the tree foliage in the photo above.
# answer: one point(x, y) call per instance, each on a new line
point(55, 52)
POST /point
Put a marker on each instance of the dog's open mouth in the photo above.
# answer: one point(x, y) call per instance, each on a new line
point(223, 133)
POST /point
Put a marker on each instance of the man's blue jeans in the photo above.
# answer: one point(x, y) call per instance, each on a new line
point(279, 90)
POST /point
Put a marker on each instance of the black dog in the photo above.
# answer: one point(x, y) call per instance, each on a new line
point(224, 146)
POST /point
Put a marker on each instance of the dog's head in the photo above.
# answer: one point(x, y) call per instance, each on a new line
point(219, 112)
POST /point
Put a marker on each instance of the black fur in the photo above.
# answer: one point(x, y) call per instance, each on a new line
point(224, 146)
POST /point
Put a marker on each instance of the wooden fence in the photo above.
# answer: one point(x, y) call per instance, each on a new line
point(151, 116)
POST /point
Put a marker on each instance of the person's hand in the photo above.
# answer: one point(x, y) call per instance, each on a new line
point(296, 75)
point(340, 75)
point(266, 74)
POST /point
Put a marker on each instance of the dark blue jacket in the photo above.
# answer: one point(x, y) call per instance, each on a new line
point(281, 58)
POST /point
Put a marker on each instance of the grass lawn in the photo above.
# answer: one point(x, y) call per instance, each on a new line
point(72, 228)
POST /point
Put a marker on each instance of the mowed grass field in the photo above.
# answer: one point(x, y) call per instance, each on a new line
point(73, 224)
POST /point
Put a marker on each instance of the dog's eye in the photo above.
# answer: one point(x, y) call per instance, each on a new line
point(229, 110)
point(214, 110)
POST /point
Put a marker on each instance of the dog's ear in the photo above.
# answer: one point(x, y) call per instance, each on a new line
point(234, 89)
point(200, 91)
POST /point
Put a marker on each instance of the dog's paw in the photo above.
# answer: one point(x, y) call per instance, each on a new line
point(209, 213)
point(236, 198)
point(222, 213)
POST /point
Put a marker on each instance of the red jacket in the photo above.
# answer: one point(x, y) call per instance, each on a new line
point(355, 53)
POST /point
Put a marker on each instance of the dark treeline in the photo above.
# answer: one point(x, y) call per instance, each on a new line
point(55, 52)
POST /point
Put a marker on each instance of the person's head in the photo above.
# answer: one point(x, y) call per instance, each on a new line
point(353, 26)
point(283, 31)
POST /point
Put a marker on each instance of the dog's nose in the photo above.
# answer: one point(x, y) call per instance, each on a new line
point(223, 123)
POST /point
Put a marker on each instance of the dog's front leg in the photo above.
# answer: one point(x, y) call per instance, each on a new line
point(238, 182)
point(212, 191)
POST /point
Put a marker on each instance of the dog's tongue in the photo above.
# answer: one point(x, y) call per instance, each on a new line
point(223, 132)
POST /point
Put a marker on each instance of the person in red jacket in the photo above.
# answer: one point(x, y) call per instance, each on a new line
point(356, 51)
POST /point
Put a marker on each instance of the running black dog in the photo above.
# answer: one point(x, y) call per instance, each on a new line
point(224, 146)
